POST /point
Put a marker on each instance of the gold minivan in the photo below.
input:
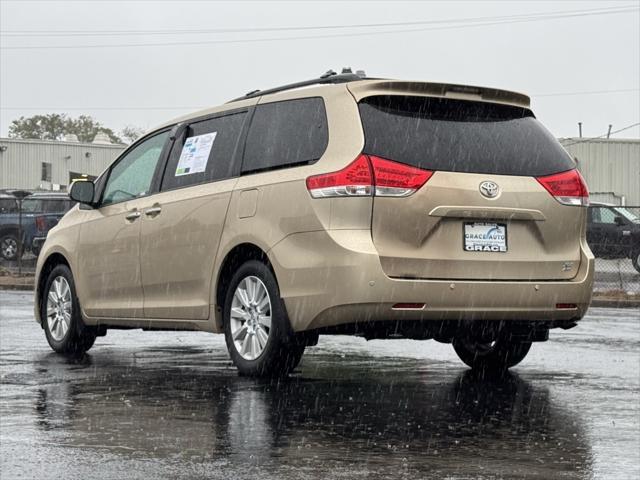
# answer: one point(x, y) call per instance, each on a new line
point(339, 205)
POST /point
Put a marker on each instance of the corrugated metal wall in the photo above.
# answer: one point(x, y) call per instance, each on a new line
point(21, 162)
point(611, 167)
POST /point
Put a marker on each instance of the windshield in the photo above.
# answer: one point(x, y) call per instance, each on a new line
point(627, 214)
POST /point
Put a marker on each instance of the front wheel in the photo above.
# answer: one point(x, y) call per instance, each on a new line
point(495, 355)
point(9, 246)
point(61, 317)
point(256, 326)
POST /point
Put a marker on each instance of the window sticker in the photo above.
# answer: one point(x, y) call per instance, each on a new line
point(195, 154)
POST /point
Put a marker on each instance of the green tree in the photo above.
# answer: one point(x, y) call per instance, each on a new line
point(131, 133)
point(44, 127)
point(54, 126)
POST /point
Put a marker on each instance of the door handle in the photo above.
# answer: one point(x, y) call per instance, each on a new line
point(133, 215)
point(153, 211)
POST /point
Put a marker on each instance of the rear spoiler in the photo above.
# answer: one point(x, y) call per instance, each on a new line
point(368, 88)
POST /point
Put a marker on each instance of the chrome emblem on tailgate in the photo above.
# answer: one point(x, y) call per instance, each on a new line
point(489, 189)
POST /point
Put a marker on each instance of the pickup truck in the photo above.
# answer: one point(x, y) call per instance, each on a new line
point(614, 232)
point(40, 213)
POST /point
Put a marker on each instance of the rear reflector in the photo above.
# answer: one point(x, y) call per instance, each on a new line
point(568, 188)
point(566, 306)
point(369, 175)
point(408, 306)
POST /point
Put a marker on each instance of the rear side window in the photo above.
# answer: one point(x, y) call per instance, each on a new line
point(32, 205)
point(289, 133)
point(205, 153)
point(460, 136)
point(8, 205)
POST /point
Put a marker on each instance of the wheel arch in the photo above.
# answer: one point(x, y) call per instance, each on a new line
point(238, 255)
point(51, 262)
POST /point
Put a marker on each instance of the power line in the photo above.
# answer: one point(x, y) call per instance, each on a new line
point(521, 19)
point(586, 140)
point(539, 15)
point(197, 107)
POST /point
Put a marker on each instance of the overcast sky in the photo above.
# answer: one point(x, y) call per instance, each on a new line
point(583, 51)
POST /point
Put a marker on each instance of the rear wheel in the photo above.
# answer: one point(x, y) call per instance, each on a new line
point(256, 326)
point(9, 246)
point(492, 355)
point(60, 314)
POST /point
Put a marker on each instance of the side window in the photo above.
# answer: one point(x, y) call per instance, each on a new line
point(31, 205)
point(131, 177)
point(604, 215)
point(293, 132)
point(55, 206)
point(205, 153)
point(8, 205)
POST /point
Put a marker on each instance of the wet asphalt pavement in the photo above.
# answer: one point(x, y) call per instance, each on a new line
point(170, 405)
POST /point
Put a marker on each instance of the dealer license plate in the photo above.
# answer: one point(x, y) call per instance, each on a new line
point(485, 237)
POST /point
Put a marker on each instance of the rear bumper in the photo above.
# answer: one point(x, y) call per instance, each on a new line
point(329, 278)
point(37, 243)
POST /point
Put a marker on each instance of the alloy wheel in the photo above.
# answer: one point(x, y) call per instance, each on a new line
point(250, 320)
point(59, 308)
point(9, 247)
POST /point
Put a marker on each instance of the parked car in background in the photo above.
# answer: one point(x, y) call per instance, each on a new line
point(40, 213)
point(614, 232)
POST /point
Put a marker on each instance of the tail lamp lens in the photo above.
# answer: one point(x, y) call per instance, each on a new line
point(41, 224)
point(568, 188)
point(368, 175)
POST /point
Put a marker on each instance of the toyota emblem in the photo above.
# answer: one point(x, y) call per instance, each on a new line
point(489, 189)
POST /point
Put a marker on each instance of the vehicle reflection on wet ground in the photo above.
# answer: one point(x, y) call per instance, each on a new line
point(169, 404)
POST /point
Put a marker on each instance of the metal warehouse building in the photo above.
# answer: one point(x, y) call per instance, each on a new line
point(51, 165)
point(610, 166)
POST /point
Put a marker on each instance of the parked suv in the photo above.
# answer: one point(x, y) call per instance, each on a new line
point(344, 204)
point(41, 211)
point(614, 232)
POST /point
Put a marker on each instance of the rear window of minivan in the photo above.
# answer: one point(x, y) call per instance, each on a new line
point(460, 136)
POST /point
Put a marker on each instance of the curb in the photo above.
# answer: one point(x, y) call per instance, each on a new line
point(615, 303)
point(16, 287)
point(595, 302)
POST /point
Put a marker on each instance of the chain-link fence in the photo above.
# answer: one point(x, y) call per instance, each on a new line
point(613, 233)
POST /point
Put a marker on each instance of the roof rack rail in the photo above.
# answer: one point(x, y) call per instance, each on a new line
point(329, 77)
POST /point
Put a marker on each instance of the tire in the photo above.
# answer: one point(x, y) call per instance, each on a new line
point(256, 327)
point(490, 357)
point(63, 327)
point(635, 259)
point(9, 246)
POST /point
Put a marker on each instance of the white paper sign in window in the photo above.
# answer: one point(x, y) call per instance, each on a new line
point(195, 154)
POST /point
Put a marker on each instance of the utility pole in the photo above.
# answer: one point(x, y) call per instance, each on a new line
point(609, 131)
point(580, 129)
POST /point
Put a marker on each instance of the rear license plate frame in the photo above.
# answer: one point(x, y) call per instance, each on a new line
point(485, 245)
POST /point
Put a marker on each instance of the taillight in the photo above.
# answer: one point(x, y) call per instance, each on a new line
point(368, 175)
point(569, 188)
point(41, 224)
point(393, 179)
point(354, 180)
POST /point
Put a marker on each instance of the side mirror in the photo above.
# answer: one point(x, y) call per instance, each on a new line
point(82, 191)
point(619, 221)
